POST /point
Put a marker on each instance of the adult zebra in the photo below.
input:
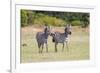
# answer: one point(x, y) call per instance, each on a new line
point(42, 37)
point(58, 37)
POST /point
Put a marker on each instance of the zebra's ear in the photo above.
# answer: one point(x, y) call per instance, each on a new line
point(50, 28)
point(68, 25)
point(46, 26)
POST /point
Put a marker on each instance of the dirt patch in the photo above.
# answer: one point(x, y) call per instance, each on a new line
point(53, 29)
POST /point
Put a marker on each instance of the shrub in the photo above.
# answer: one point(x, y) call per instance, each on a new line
point(48, 20)
point(76, 23)
point(24, 18)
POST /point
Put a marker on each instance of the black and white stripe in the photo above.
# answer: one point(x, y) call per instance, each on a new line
point(58, 37)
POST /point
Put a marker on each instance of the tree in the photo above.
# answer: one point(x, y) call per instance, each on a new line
point(24, 18)
point(31, 17)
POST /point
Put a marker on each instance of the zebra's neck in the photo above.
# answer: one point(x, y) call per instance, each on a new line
point(46, 35)
point(66, 34)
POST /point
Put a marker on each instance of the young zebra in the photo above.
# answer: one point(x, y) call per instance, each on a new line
point(58, 37)
point(42, 37)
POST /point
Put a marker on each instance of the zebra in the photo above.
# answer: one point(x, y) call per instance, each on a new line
point(42, 38)
point(58, 37)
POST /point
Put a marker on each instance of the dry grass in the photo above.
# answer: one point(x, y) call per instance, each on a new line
point(78, 46)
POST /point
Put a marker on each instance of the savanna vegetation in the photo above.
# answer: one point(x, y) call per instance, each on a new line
point(78, 46)
point(30, 17)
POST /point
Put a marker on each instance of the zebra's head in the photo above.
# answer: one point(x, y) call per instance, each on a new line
point(47, 30)
point(68, 29)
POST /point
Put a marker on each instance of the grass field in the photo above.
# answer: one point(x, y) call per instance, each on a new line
point(78, 46)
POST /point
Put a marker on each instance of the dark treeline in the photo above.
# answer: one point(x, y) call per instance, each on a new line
point(30, 17)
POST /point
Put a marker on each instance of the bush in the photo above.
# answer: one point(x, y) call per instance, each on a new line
point(59, 22)
point(48, 20)
point(24, 18)
point(30, 17)
point(76, 23)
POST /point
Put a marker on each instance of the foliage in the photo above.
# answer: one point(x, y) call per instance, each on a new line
point(30, 17)
point(76, 23)
point(46, 20)
point(24, 18)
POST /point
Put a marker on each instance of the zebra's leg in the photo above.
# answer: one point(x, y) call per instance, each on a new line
point(42, 48)
point(67, 46)
point(39, 46)
point(56, 47)
point(39, 50)
point(46, 47)
point(63, 47)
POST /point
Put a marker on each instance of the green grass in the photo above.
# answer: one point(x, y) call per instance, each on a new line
point(78, 47)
